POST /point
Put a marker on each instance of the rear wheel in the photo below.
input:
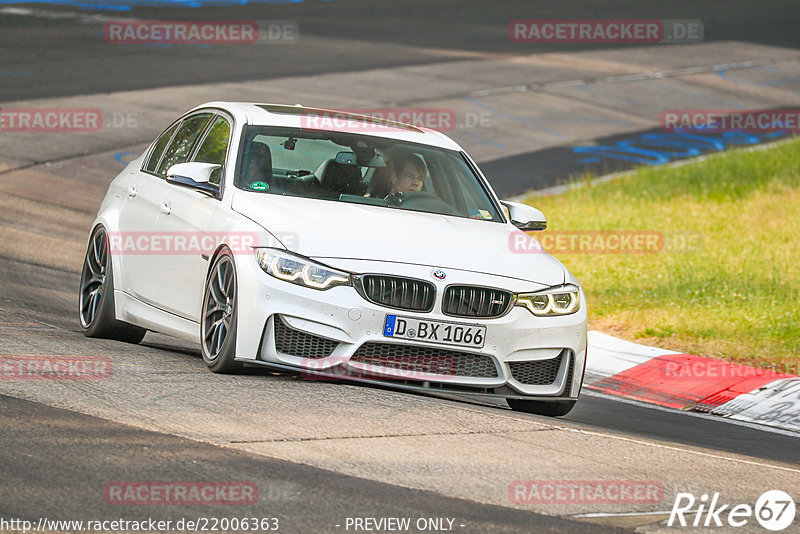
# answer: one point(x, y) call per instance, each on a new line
point(97, 315)
point(553, 409)
point(218, 326)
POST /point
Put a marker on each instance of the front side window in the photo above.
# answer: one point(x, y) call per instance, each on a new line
point(215, 147)
point(181, 145)
point(158, 149)
point(346, 167)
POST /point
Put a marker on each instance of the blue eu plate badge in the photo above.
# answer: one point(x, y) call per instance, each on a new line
point(388, 329)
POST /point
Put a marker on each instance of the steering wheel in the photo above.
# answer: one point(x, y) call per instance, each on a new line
point(421, 201)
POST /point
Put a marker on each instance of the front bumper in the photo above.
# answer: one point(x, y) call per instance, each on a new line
point(345, 321)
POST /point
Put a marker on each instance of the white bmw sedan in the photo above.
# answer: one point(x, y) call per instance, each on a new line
point(337, 245)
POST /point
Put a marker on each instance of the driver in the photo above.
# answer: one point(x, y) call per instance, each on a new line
point(409, 175)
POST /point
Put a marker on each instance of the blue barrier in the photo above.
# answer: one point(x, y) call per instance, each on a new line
point(127, 5)
point(660, 148)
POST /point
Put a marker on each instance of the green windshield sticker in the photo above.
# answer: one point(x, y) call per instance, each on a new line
point(259, 186)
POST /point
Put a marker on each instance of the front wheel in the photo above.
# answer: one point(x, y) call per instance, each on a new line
point(218, 325)
point(553, 409)
point(97, 315)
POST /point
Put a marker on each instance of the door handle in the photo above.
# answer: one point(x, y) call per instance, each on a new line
point(132, 191)
point(166, 208)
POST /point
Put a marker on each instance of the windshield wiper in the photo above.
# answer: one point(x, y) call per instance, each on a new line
point(358, 199)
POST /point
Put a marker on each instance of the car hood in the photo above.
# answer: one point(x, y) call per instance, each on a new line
point(323, 229)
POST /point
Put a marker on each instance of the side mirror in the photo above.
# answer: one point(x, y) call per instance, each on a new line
point(194, 174)
point(524, 217)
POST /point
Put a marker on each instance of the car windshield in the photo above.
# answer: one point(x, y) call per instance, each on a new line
point(345, 167)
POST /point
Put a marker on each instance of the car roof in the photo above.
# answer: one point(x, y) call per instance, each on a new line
point(298, 116)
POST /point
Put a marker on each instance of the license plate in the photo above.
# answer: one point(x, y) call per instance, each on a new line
point(445, 333)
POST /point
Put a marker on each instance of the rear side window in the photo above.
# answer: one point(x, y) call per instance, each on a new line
point(181, 145)
point(161, 144)
point(215, 147)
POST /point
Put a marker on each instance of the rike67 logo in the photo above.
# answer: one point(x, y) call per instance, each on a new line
point(774, 510)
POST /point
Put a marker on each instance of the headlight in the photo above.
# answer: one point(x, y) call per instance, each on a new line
point(298, 270)
point(561, 300)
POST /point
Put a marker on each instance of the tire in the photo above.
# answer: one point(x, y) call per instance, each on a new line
point(218, 321)
point(552, 409)
point(96, 295)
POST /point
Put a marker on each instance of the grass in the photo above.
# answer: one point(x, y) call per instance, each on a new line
point(735, 294)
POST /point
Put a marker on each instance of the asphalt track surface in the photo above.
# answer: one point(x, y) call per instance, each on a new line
point(56, 57)
point(74, 454)
point(56, 462)
point(77, 455)
point(593, 409)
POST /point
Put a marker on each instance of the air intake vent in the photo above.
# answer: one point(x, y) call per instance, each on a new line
point(302, 344)
point(472, 301)
point(411, 359)
point(400, 293)
point(539, 372)
point(570, 373)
